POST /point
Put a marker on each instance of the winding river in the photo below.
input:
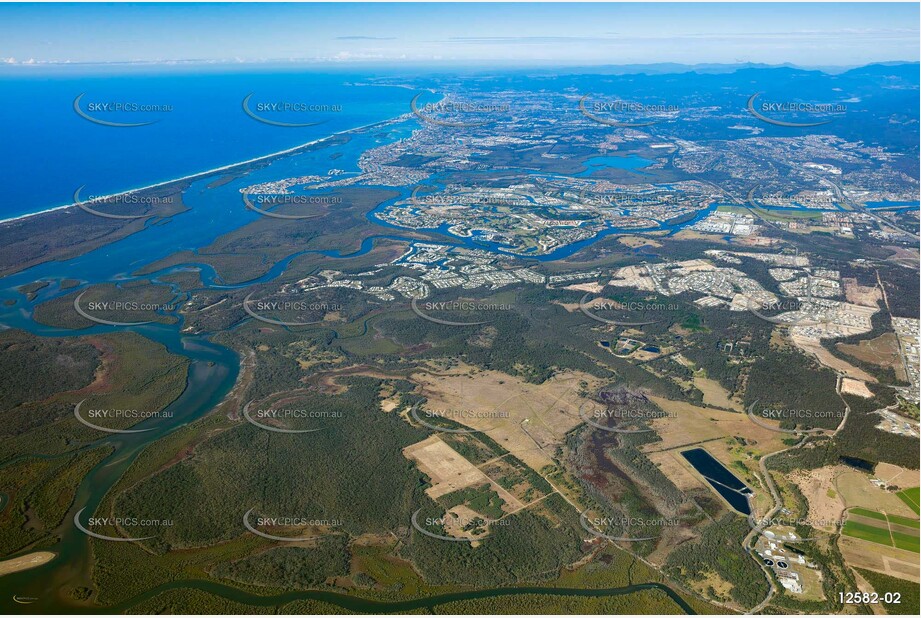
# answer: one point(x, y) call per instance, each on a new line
point(212, 374)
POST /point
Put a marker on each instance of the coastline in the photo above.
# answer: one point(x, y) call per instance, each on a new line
point(210, 172)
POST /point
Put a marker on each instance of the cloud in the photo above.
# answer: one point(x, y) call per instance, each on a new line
point(613, 37)
point(366, 38)
point(511, 40)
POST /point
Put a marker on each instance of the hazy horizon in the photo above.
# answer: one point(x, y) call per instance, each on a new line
point(508, 34)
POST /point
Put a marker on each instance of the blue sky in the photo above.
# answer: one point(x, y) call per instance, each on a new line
point(813, 34)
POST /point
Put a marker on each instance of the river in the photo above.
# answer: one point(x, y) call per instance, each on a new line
point(212, 373)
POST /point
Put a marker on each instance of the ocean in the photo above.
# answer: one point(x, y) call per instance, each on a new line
point(198, 123)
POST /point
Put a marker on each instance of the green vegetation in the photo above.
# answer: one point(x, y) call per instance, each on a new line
point(908, 592)
point(772, 216)
point(314, 475)
point(35, 368)
point(859, 439)
point(806, 386)
point(194, 601)
point(476, 450)
point(514, 476)
point(534, 544)
point(41, 491)
point(137, 301)
point(31, 290)
point(719, 551)
point(884, 533)
point(902, 521)
point(867, 533)
point(724, 346)
point(513, 345)
point(868, 513)
point(619, 481)
point(652, 602)
point(64, 234)
point(911, 497)
point(191, 600)
point(902, 540)
point(350, 474)
point(483, 499)
point(290, 567)
point(116, 371)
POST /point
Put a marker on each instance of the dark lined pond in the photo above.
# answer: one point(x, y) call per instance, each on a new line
point(720, 478)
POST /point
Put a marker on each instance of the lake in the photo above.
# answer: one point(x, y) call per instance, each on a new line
point(720, 478)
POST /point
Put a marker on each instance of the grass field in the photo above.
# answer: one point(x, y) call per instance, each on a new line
point(856, 490)
point(911, 497)
point(882, 351)
point(903, 521)
point(883, 529)
point(868, 533)
point(868, 513)
point(905, 541)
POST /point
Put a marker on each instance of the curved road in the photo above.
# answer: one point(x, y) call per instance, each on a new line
point(747, 543)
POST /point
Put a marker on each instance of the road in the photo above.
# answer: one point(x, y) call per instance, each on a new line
point(747, 542)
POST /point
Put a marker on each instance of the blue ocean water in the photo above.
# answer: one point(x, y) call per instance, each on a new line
point(887, 205)
point(50, 150)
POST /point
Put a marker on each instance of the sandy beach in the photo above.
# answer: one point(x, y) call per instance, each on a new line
point(29, 561)
point(216, 170)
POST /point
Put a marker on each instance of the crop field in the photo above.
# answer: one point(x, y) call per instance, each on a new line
point(911, 498)
point(883, 529)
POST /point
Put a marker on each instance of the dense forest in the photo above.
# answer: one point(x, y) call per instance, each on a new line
point(719, 551)
point(291, 568)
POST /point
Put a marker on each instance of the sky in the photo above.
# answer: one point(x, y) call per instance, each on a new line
point(805, 34)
